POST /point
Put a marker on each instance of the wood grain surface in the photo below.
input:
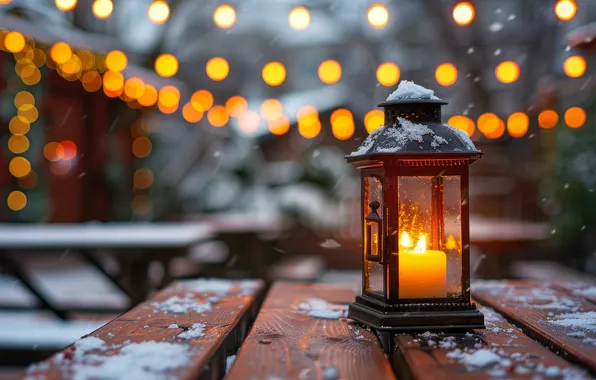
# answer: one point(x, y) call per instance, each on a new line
point(225, 308)
point(286, 343)
point(563, 321)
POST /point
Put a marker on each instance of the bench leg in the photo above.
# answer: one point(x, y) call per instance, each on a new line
point(137, 276)
point(12, 267)
point(88, 256)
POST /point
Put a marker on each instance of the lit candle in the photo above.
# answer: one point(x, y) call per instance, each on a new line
point(422, 272)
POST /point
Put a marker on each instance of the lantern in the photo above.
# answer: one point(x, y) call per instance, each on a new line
point(416, 261)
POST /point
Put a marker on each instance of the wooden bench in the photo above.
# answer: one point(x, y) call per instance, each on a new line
point(134, 245)
point(301, 332)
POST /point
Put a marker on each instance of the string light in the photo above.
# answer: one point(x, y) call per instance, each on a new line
point(14, 42)
point(309, 125)
point(60, 52)
point(236, 106)
point(224, 16)
point(446, 74)
point(168, 97)
point(102, 9)
point(18, 144)
point(507, 72)
point(388, 74)
point(116, 60)
point(141, 147)
point(143, 179)
point(149, 97)
point(279, 126)
point(463, 123)
point(217, 116)
point(18, 125)
point(329, 71)
point(113, 81)
point(271, 109)
point(201, 100)
point(17, 200)
point(190, 114)
point(29, 112)
point(299, 18)
point(497, 133)
point(547, 119)
point(91, 81)
point(342, 124)
point(378, 16)
point(158, 12)
point(19, 167)
point(53, 151)
point(274, 73)
point(575, 117)
point(217, 69)
point(134, 87)
point(565, 9)
point(166, 65)
point(66, 5)
point(518, 124)
point(488, 123)
point(373, 120)
point(23, 97)
point(574, 66)
point(249, 122)
point(463, 13)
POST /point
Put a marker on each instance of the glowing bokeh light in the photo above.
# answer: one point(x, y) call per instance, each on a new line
point(378, 16)
point(249, 122)
point(141, 147)
point(91, 81)
point(217, 68)
point(169, 96)
point(373, 120)
point(224, 16)
point(201, 100)
point(190, 114)
point(143, 179)
point(14, 42)
point(574, 66)
point(342, 126)
point(66, 5)
point(488, 123)
point(29, 112)
point(565, 9)
point(575, 117)
point(18, 144)
point(518, 124)
point(547, 119)
point(60, 52)
point(102, 9)
point(158, 12)
point(218, 116)
point(16, 200)
point(19, 167)
point(463, 13)
point(134, 87)
point(274, 73)
point(299, 18)
point(507, 72)
point(22, 98)
point(271, 109)
point(446, 74)
point(166, 65)
point(116, 60)
point(149, 97)
point(53, 151)
point(18, 125)
point(113, 81)
point(236, 106)
point(388, 74)
point(279, 126)
point(463, 123)
point(329, 71)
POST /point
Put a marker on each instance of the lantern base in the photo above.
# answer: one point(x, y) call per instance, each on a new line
point(413, 317)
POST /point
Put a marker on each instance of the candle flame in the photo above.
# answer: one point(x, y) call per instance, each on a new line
point(451, 242)
point(421, 245)
point(404, 240)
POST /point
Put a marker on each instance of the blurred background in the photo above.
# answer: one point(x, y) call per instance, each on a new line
point(234, 117)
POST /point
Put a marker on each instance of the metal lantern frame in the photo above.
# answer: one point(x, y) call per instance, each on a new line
point(386, 311)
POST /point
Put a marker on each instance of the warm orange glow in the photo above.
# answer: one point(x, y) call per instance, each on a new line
point(507, 72)
point(518, 124)
point(17, 200)
point(236, 106)
point(166, 65)
point(309, 130)
point(18, 125)
point(548, 119)
point(158, 12)
point(342, 126)
point(463, 13)
point(373, 120)
point(102, 9)
point(446, 74)
point(378, 16)
point(307, 114)
point(340, 112)
point(134, 87)
point(451, 243)
point(299, 18)
point(29, 112)
point(53, 151)
point(113, 81)
point(14, 42)
point(143, 179)
point(388, 74)
point(224, 16)
point(19, 167)
point(18, 144)
point(274, 73)
point(66, 5)
point(574, 66)
point(91, 81)
point(2, 2)
point(279, 126)
point(271, 109)
point(190, 114)
point(69, 148)
point(167, 110)
point(22, 98)
point(72, 67)
point(149, 97)
point(488, 123)
point(404, 240)
point(201, 100)
point(565, 9)
point(39, 57)
point(141, 147)
point(87, 59)
point(29, 181)
point(462, 123)
point(329, 71)
point(217, 116)
point(60, 52)
point(169, 96)
point(575, 117)
point(249, 122)
point(422, 272)
point(217, 68)
point(116, 60)
point(33, 78)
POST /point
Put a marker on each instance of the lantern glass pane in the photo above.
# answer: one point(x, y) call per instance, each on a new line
point(422, 263)
point(452, 243)
point(373, 271)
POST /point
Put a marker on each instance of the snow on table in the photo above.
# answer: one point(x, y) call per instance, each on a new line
point(163, 337)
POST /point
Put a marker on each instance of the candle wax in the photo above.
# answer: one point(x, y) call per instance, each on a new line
point(422, 274)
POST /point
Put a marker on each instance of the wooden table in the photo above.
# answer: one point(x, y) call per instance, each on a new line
point(198, 328)
point(134, 245)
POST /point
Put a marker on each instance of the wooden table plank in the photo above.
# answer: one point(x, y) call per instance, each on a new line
point(288, 343)
point(584, 289)
point(185, 331)
point(562, 321)
point(506, 351)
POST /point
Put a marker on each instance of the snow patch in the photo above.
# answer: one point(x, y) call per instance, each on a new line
point(230, 362)
point(407, 90)
point(179, 305)
point(463, 136)
point(319, 308)
point(582, 321)
point(173, 326)
point(196, 330)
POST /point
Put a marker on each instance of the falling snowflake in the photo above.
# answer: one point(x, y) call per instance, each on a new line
point(495, 27)
point(497, 52)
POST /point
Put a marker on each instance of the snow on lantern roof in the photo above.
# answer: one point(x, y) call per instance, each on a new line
point(407, 137)
point(409, 92)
